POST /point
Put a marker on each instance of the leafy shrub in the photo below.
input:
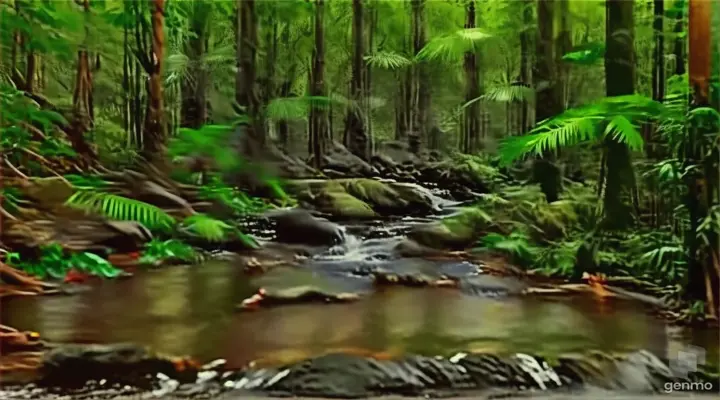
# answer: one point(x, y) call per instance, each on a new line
point(54, 262)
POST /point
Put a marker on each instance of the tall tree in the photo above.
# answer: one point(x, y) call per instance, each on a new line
point(471, 134)
point(193, 108)
point(704, 260)
point(356, 138)
point(620, 80)
point(545, 171)
point(319, 129)
point(526, 41)
point(421, 84)
point(154, 129)
point(564, 45)
point(246, 90)
point(83, 110)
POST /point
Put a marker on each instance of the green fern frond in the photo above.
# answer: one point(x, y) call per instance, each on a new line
point(121, 208)
point(206, 227)
point(387, 60)
point(453, 47)
point(508, 94)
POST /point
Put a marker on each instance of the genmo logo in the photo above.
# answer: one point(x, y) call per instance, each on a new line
point(670, 387)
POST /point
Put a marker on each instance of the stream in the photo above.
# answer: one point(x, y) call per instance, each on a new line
point(192, 310)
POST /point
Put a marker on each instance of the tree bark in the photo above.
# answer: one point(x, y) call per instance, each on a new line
point(193, 107)
point(421, 96)
point(679, 44)
point(154, 129)
point(620, 80)
point(472, 118)
point(547, 104)
point(319, 130)
point(246, 90)
point(356, 138)
point(526, 42)
point(83, 110)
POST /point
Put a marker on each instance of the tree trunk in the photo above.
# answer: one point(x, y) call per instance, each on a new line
point(620, 80)
point(421, 96)
point(373, 20)
point(83, 113)
point(472, 117)
point(30, 71)
point(564, 46)
point(525, 59)
point(545, 172)
point(704, 273)
point(319, 131)
point(679, 44)
point(193, 107)
point(355, 131)
point(154, 129)
point(283, 126)
point(246, 91)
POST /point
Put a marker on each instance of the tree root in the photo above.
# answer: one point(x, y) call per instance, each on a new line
point(12, 276)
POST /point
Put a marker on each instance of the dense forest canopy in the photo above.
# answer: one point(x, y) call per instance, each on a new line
point(620, 95)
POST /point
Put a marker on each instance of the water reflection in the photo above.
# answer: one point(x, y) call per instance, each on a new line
point(191, 311)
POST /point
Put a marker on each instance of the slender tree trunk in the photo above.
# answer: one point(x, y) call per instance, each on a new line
point(83, 113)
point(373, 17)
point(283, 126)
point(545, 172)
point(246, 90)
point(620, 80)
point(154, 129)
point(679, 44)
point(30, 71)
point(193, 106)
point(564, 46)
point(525, 59)
point(319, 130)
point(472, 116)
point(421, 85)
point(355, 131)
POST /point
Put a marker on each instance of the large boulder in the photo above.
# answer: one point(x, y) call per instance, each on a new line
point(300, 227)
point(455, 233)
point(362, 198)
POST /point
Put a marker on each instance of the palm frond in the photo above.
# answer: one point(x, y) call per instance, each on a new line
point(453, 47)
point(387, 60)
point(121, 208)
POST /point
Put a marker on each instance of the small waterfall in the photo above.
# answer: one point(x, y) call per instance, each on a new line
point(355, 249)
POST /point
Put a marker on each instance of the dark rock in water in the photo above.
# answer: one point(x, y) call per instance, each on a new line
point(300, 227)
point(74, 365)
point(492, 286)
point(346, 376)
point(300, 285)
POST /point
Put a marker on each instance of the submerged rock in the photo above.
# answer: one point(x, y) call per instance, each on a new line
point(74, 365)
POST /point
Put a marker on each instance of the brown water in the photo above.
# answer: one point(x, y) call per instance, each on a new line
point(191, 311)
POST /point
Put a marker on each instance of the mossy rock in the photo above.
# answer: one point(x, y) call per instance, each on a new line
point(374, 192)
point(343, 205)
point(455, 233)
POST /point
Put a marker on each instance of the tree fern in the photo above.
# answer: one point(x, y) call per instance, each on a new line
point(387, 60)
point(121, 208)
point(617, 117)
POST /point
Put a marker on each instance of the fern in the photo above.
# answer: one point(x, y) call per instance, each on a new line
point(121, 208)
point(619, 115)
point(453, 47)
point(207, 227)
point(387, 60)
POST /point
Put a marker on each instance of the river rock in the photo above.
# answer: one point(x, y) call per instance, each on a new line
point(300, 285)
point(362, 198)
point(73, 365)
point(298, 226)
point(455, 233)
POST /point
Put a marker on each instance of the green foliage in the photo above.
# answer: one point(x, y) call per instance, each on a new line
point(157, 251)
point(586, 54)
point(239, 202)
point(615, 117)
point(212, 142)
point(388, 60)
point(452, 47)
point(121, 208)
point(207, 227)
point(54, 262)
